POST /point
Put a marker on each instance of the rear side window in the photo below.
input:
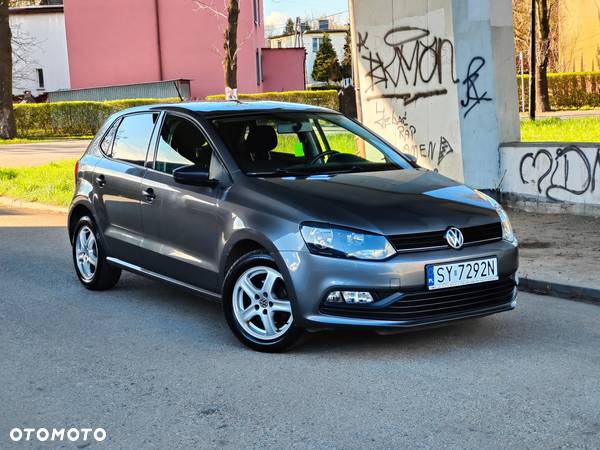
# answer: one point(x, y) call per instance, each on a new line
point(106, 143)
point(132, 138)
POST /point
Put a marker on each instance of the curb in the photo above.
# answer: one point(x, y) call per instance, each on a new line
point(12, 203)
point(565, 291)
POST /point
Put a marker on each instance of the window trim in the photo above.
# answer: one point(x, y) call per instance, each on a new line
point(120, 121)
point(197, 124)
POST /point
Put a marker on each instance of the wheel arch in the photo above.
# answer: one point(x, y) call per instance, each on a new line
point(244, 242)
point(78, 210)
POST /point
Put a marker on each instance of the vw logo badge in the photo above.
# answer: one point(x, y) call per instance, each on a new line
point(455, 238)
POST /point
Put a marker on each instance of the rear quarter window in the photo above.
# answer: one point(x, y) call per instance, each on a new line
point(106, 143)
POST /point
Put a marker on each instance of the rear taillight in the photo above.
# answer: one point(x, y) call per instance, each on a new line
point(76, 170)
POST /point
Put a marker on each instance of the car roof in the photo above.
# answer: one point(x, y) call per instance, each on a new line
point(226, 108)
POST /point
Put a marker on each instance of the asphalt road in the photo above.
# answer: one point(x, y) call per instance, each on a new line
point(158, 368)
point(38, 153)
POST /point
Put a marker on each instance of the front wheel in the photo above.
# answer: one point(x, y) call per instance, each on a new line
point(257, 304)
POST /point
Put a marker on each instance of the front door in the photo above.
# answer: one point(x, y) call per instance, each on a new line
point(180, 221)
point(117, 182)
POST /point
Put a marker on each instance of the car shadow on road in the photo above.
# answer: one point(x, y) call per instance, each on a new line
point(195, 311)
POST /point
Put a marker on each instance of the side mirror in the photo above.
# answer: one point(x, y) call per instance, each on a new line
point(193, 176)
point(411, 158)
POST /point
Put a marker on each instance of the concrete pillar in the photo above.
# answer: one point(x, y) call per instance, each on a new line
point(437, 79)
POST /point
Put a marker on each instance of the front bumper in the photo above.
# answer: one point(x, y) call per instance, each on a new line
point(313, 277)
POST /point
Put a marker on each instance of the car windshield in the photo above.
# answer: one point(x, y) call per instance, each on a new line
point(299, 144)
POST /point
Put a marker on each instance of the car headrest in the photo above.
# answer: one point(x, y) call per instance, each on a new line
point(261, 140)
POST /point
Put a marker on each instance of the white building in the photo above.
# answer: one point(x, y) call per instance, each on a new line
point(312, 40)
point(40, 49)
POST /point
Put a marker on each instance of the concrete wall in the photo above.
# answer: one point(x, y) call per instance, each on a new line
point(552, 177)
point(437, 79)
point(45, 47)
point(115, 42)
point(283, 69)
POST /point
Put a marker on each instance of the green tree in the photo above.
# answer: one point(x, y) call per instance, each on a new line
point(347, 61)
point(326, 67)
point(290, 27)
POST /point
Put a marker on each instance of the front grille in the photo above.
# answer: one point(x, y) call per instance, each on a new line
point(428, 305)
point(436, 239)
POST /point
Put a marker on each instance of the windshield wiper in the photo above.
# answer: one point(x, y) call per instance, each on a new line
point(282, 172)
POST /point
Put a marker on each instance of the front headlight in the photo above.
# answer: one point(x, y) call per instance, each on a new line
point(507, 231)
point(323, 239)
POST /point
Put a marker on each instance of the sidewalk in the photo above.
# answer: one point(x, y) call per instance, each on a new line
point(559, 250)
point(39, 153)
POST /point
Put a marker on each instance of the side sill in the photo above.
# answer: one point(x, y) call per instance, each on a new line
point(156, 276)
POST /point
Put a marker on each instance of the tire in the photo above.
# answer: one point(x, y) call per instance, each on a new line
point(262, 322)
point(89, 257)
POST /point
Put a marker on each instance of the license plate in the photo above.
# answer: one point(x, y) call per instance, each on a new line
point(441, 276)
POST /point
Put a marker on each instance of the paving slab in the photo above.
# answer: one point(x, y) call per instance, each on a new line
point(559, 249)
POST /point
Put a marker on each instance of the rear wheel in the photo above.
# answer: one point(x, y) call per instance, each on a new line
point(257, 304)
point(89, 257)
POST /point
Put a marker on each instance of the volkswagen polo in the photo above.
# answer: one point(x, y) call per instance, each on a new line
point(295, 217)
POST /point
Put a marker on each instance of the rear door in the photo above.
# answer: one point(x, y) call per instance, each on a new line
point(180, 221)
point(117, 182)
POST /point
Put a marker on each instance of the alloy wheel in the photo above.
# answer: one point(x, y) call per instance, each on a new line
point(261, 304)
point(86, 253)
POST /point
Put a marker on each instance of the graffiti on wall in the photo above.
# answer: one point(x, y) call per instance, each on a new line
point(569, 170)
point(416, 70)
point(434, 150)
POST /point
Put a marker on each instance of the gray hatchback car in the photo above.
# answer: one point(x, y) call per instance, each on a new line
point(297, 218)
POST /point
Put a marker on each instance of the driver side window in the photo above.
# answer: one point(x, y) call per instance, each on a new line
point(181, 143)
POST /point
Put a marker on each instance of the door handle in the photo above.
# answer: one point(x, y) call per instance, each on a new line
point(101, 180)
point(149, 194)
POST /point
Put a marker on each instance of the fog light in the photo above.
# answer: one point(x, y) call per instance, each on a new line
point(335, 297)
point(350, 297)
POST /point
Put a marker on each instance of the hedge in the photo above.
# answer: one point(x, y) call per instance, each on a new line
point(71, 118)
point(574, 90)
point(327, 99)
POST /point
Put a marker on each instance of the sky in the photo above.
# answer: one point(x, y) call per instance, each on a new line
point(278, 11)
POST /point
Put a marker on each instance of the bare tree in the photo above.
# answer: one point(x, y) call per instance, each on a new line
point(547, 48)
point(23, 45)
point(543, 98)
point(230, 43)
point(231, 50)
point(8, 128)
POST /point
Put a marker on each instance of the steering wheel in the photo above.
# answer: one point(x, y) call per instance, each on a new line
point(323, 155)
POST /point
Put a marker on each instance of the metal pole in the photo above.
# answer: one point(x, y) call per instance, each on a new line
point(522, 81)
point(532, 62)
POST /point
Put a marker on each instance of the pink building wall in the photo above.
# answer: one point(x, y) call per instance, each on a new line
point(113, 42)
point(283, 69)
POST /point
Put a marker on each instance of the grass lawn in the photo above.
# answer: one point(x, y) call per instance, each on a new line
point(581, 129)
point(30, 140)
point(51, 184)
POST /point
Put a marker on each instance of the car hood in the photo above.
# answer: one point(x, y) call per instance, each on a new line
point(390, 202)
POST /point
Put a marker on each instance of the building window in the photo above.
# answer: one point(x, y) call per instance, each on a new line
point(278, 44)
point(324, 24)
point(258, 68)
point(40, 77)
point(316, 44)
